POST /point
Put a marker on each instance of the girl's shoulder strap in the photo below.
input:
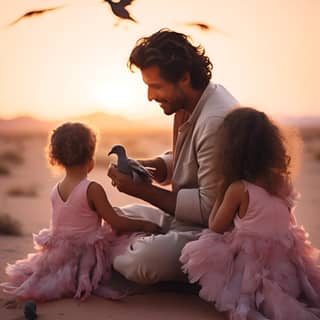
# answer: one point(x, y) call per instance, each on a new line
point(79, 192)
point(54, 191)
point(83, 186)
point(85, 183)
point(54, 196)
point(245, 184)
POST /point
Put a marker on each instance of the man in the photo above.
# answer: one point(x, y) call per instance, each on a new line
point(177, 74)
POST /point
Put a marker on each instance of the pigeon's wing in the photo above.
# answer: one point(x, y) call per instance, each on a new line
point(140, 170)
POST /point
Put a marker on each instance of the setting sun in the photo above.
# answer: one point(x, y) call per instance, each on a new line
point(120, 95)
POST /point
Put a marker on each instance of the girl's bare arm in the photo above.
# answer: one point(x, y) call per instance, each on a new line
point(99, 202)
point(222, 215)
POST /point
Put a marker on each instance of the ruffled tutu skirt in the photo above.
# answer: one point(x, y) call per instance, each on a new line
point(251, 277)
point(65, 266)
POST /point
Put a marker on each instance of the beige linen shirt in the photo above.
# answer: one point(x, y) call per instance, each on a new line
point(189, 166)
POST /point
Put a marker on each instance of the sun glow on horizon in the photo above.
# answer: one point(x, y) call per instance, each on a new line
point(73, 61)
point(121, 96)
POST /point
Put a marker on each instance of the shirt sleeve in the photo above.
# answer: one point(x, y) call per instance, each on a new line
point(195, 204)
point(167, 157)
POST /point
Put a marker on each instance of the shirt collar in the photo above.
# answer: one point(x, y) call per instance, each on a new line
point(199, 106)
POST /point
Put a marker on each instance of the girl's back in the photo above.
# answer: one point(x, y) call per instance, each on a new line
point(73, 215)
point(267, 215)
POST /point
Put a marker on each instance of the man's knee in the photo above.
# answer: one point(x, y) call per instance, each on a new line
point(150, 260)
point(137, 266)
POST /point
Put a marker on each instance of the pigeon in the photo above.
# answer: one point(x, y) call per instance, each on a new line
point(119, 9)
point(33, 13)
point(129, 166)
point(30, 310)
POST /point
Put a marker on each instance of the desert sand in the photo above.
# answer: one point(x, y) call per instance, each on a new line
point(33, 212)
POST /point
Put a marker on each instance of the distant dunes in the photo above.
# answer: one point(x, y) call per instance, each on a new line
point(102, 121)
point(105, 122)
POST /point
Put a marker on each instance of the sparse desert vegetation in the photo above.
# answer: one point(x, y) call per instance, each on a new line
point(311, 138)
point(11, 157)
point(9, 226)
point(22, 191)
point(8, 159)
point(4, 169)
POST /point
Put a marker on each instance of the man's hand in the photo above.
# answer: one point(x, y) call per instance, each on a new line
point(156, 167)
point(161, 198)
point(124, 183)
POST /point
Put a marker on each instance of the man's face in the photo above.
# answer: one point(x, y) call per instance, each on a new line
point(170, 96)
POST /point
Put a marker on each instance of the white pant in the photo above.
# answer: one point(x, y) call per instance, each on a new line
point(150, 259)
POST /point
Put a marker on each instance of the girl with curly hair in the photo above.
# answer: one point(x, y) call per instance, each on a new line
point(254, 262)
point(73, 257)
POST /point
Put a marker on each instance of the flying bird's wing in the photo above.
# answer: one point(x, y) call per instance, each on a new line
point(202, 26)
point(32, 13)
point(119, 9)
point(206, 27)
point(139, 172)
point(125, 3)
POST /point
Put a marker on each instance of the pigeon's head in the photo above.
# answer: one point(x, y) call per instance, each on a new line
point(118, 149)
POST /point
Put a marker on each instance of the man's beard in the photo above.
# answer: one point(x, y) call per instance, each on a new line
point(178, 103)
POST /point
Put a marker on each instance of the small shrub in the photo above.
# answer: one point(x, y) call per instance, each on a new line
point(9, 225)
point(22, 192)
point(4, 170)
point(12, 157)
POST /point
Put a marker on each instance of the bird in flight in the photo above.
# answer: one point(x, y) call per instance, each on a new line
point(205, 27)
point(34, 13)
point(202, 26)
point(119, 9)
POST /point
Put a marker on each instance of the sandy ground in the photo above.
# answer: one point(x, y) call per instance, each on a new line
point(34, 214)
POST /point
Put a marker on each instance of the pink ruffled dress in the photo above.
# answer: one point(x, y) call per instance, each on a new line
point(73, 257)
point(265, 268)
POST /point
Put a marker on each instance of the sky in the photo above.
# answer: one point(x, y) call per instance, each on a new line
point(73, 60)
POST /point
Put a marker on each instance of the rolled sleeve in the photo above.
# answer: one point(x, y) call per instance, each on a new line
point(195, 204)
point(167, 157)
point(188, 206)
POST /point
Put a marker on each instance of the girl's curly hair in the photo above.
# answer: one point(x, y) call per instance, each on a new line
point(250, 146)
point(175, 55)
point(71, 144)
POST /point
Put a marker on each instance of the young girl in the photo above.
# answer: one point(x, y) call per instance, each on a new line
point(75, 254)
point(254, 262)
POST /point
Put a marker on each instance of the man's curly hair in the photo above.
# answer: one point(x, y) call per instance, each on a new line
point(175, 55)
point(71, 144)
point(250, 146)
